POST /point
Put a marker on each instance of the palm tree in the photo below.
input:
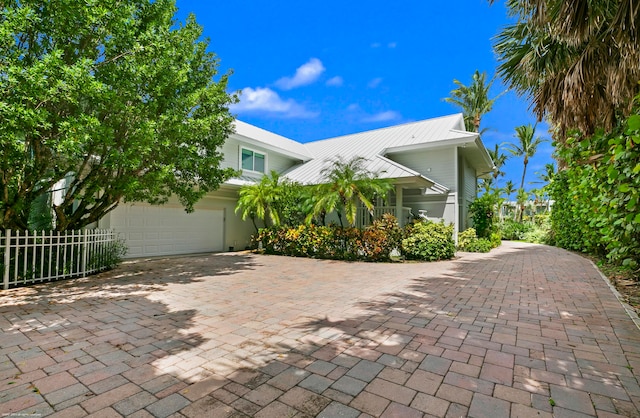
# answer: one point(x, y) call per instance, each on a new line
point(499, 159)
point(577, 61)
point(260, 200)
point(509, 189)
point(348, 183)
point(527, 146)
point(473, 100)
point(521, 199)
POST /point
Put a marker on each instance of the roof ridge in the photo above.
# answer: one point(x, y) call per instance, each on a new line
point(385, 128)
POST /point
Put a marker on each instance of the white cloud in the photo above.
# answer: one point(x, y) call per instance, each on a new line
point(390, 45)
point(382, 116)
point(265, 100)
point(336, 81)
point(305, 74)
point(362, 116)
point(375, 82)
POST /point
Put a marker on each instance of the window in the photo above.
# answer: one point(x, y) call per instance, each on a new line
point(253, 161)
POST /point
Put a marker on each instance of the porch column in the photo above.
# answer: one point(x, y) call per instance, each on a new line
point(399, 213)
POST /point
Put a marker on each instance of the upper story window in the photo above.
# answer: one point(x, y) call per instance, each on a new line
point(253, 160)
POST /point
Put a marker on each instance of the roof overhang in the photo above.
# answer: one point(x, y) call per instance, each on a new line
point(268, 140)
point(413, 179)
point(479, 158)
point(458, 138)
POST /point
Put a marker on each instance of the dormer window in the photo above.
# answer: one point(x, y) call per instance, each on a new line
point(253, 160)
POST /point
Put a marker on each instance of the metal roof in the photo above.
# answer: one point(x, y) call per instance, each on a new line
point(269, 140)
point(374, 145)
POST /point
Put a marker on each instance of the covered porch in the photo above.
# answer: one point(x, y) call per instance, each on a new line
point(404, 210)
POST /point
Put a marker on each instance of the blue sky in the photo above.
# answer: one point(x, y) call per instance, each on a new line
point(314, 70)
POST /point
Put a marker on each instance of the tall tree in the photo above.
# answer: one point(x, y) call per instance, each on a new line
point(473, 100)
point(509, 189)
point(346, 185)
point(526, 147)
point(499, 159)
point(115, 100)
point(577, 61)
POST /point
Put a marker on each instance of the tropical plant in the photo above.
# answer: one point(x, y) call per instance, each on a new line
point(509, 189)
point(117, 99)
point(577, 61)
point(346, 185)
point(597, 197)
point(499, 160)
point(526, 147)
point(521, 198)
point(429, 241)
point(473, 100)
point(374, 243)
point(483, 214)
point(260, 200)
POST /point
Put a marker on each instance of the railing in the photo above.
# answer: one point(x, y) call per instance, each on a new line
point(35, 257)
point(364, 218)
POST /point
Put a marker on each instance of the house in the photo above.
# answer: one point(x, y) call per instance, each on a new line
point(434, 165)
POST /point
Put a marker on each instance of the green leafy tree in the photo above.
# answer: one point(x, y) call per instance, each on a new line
point(346, 185)
point(577, 61)
point(473, 100)
point(117, 99)
point(526, 147)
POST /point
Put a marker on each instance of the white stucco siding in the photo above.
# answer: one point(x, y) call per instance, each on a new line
point(436, 164)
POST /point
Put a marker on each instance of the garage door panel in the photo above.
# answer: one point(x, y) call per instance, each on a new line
point(157, 230)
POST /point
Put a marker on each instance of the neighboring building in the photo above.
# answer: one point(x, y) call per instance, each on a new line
point(434, 165)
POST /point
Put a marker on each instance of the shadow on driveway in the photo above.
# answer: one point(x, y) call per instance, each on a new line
point(525, 330)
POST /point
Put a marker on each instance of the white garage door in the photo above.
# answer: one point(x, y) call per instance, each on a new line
point(160, 230)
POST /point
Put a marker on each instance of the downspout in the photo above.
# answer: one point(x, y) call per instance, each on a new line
point(399, 205)
point(456, 205)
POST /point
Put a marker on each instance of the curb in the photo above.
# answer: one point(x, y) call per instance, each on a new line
point(628, 308)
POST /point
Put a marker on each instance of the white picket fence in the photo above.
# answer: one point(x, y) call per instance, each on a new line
point(35, 257)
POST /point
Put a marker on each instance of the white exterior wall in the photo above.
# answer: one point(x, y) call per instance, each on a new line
point(274, 161)
point(436, 164)
point(468, 188)
point(236, 232)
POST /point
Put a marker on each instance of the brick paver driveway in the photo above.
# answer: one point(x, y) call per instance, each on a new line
point(524, 331)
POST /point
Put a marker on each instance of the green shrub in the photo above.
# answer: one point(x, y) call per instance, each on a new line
point(495, 239)
point(465, 238)
point(374, 243)
point(108, 256)
point(468, 241)
point(483, 211)
point(536, 236)
point(479, 245)
point(513, 230)
point(597, 196)
point(429, 241)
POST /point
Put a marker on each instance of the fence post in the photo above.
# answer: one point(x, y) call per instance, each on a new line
point(85, 251)
point(7, 258)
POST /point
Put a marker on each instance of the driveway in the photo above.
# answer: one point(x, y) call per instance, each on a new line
point(524, 331)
